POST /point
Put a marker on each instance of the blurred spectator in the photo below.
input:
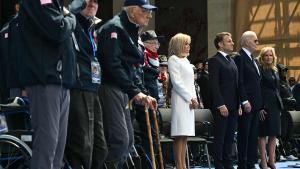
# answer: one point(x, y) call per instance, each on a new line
point(295, 87)
point(292, 82)
point(296, 94)
point(289, 104)
point(163, 82)
point(203, 82)
point(197, 88)
point(285, 89)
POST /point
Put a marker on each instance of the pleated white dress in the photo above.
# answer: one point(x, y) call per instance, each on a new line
point(183, 90)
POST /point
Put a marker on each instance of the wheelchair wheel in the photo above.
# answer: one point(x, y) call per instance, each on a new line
point(14, 153)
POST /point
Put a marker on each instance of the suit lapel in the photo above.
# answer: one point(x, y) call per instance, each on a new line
point(230, 64)
point(250, 62)
point(222, 58)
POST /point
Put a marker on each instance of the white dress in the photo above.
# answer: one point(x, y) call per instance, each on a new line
point(183, 90)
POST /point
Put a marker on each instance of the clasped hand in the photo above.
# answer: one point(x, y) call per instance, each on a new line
point(262, 115)
point(194, 103)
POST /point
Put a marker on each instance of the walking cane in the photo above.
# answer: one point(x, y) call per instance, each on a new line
point(150, 137)
point(161, 160)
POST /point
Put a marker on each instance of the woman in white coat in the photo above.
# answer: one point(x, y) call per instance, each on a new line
point(183, 98)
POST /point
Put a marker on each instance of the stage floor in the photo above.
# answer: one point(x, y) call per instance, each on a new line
point(279, 165)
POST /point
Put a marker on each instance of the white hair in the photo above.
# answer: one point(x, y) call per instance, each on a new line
point(245, 36)
point(125, 8)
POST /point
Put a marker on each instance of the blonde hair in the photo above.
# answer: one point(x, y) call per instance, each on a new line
point(261, 58)
point(177, 42)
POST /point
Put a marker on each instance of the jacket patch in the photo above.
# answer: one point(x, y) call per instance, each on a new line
point(6, 35)
point(44, 2)
point(114, 35)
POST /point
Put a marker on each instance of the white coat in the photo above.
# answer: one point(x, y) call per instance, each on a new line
point(183, 90)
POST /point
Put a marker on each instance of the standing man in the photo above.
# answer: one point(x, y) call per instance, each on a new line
point(47, 72)
point(150, 80)
point(223, 80)
point(86, 146)
point(203, 82)
point(118, 52)
point(251, 101)
point(151, 63)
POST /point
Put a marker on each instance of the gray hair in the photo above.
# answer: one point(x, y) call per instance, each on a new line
point(245, 36)
point(125, 8)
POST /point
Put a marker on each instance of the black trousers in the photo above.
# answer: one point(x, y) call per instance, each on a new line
point(247, 139)
point(117, 124)
point(86, 145)
point(224, 129)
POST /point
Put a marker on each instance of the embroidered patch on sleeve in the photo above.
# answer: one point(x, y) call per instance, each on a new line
point(45, 2)
point(114, 35)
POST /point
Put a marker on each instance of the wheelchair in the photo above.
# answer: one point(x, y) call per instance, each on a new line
point(15, 135)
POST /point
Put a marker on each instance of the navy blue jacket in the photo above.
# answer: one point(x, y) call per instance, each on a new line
point(249, 81)
point(48, 55)
point(84, 56)
point(223, 82)
point(118, 51)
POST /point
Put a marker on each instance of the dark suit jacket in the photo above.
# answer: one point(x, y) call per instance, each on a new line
point(203, 83)
point(296, 94)
point(223, 80)
point(270, 90)
point(249, 80)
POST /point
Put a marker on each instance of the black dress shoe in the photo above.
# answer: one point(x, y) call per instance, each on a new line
point(251, 167)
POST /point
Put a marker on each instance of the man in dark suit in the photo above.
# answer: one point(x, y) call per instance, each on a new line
point(203, 83)
point(223, 79)
point(251, 101)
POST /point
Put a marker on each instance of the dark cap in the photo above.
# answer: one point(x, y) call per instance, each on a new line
point(163, 60)
point(151, 35)
point(281, 67)
point(142, 3)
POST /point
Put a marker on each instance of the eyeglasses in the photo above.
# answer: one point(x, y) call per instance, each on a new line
point(153, 43)
point(256, 41)
point(144, 10)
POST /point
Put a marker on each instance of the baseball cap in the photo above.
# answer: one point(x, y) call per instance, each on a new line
point(142, 3)
point(163, 60)
point(151, 35)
